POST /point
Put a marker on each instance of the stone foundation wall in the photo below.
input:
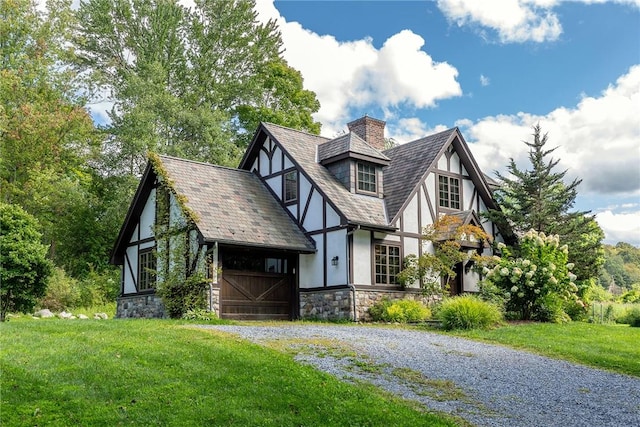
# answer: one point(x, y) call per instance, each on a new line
point(140, 306)
point(336, 304)
point(330, 304)
point(368, 297)
point(213, 299)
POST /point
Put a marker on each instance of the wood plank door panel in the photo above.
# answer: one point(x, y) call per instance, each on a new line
point(254, 296)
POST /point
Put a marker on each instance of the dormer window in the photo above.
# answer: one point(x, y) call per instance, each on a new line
point(291, 186)
point(449, 192)
point(366, 178)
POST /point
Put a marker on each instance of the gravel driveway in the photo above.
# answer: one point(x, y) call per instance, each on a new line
point(485, 384)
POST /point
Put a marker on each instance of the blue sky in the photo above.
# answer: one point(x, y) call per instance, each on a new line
point(493, 68)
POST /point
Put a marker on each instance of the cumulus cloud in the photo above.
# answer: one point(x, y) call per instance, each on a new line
point(620, 227)
point(597, 139)
point(355, 74)
point(410, 129)
point(484, 80)
point(514, 21)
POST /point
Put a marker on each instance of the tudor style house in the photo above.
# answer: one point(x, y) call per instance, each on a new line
point(305, 227)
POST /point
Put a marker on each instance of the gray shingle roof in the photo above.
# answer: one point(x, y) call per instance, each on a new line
point(302, 146)
point(234, 206)
point(350, 143)
point(409, 163)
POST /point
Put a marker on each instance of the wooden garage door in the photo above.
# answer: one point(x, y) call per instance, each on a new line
point(252, 295)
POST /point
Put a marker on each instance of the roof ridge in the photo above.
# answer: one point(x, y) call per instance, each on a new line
point(415, 141)
point(197, 162)
point(297, 130)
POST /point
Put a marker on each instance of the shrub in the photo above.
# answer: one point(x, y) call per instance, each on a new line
point(468, 312)
point(632, 296)
point(401, 311)
point(63, 292)
point(630, 317)
point(199, 314)
point(538, 284)
point(181, 296)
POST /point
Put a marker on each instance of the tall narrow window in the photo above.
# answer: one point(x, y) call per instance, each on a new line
point(291, 186)
point(387, 264)
point(146, 269)
point(449, 192)
point(366, 178)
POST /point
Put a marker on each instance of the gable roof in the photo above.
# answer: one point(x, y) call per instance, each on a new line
point(234, 206)
point(231, 206)
point(409, 164)
point(302, 148)
point(349, 145)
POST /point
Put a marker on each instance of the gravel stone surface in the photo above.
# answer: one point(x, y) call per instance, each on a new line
point(485, 384)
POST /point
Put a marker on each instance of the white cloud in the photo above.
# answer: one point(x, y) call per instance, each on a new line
point(620, 227)
point(513, 20)
point(410, 129)
point(597, 139)
point(356, 74)
point(484, 80)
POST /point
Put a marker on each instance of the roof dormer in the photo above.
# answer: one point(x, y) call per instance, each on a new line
point(356, 164)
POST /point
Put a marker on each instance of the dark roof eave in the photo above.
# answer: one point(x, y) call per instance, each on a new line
point(372, 227)
point(357, 156)
point(305, 250)
point(117, 257)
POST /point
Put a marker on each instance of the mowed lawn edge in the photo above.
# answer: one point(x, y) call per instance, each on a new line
point(158, 372)
point(610, 347)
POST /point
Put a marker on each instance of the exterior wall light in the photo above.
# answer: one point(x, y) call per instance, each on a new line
point(334, 260)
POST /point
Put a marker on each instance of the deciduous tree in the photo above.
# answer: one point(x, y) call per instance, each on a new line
point(189, 82)
point(24, 267)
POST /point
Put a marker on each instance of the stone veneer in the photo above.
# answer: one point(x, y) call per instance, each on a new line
point(150, 305)
point(336, 304)
point(140, 306)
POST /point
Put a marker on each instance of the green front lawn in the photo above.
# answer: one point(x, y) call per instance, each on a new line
point(151, 372)
point(611, 347)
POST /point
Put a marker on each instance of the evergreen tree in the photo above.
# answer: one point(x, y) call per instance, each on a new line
point(539, 199)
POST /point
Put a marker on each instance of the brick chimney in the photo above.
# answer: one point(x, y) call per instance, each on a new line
point(369, 129)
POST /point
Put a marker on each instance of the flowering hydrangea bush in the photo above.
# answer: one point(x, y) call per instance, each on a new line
point(539, 283)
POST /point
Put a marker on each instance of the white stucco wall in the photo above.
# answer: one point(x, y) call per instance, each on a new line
point(275, 184)
point(264, 163)
point(312, 266)
point(454, 163)
point(362, 257)
point(130, 269)
point(336, 246)
point(468, 194)
point(313, 220)
point(410, 216)
point(276, 160)
point(148, 217)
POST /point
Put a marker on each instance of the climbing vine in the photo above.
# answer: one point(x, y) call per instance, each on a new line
point(181, 279)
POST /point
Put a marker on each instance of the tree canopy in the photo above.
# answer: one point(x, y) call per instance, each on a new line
point(190, 82)
point(24, 267)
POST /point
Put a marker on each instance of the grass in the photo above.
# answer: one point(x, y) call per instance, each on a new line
point(159, 372)
point(611, 347)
